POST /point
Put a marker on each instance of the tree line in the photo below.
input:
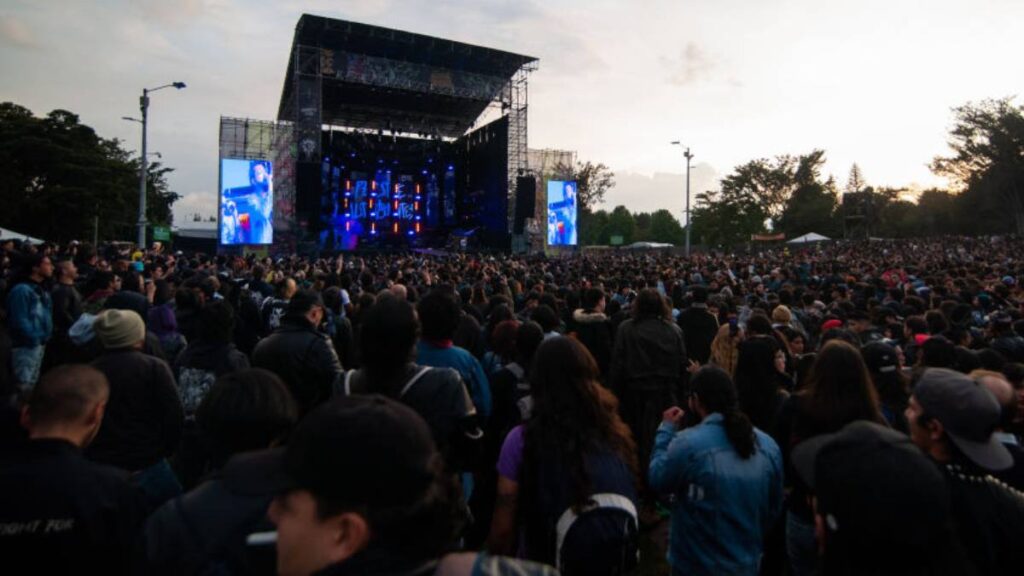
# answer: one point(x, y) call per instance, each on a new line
point(788, 194)
point(58, 179)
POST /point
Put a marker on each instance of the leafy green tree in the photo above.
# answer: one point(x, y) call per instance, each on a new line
point(591, 227)
point(58, 175)
point(642, 228)
point(987, 141)
point(935, 213)
point(718, 221)
point(592, 182)
point(855, 182)
point(620, 223)
point(766, 183)
point(665, 228)
point(812, 205)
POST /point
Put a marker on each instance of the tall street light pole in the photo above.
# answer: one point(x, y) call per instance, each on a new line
point(688, 157)
point(143, 164)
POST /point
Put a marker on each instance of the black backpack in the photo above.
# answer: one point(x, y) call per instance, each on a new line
point(601, 539)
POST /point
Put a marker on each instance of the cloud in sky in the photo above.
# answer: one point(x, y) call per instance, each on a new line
point(692, 65)
point(871, 82)
point(648, 193)
point(14, 32)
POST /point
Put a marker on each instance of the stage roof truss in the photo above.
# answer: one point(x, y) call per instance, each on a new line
point(376, 78)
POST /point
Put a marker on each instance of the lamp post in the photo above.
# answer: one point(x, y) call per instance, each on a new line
point(688, 156)
point(143, 164)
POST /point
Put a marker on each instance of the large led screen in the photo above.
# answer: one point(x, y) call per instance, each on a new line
point(246, 202)
point(561, 213)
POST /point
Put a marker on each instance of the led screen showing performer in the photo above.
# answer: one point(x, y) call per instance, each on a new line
point(561, 213)
point(246, 202)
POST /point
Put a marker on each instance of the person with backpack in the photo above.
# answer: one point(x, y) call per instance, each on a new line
point(725, 477)
point(510, 389)
point(567, 486)
point(206, 531)
point(440, 315)
point(389, 334)
point(361, 490)
point(196, 370)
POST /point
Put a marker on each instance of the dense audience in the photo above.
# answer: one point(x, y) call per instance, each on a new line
point(853, 408)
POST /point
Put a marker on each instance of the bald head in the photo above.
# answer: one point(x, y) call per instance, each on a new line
point(400, 291)
point(66, 397)
point(1001, 388)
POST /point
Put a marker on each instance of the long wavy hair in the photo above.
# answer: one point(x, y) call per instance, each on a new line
point(839, 389)
point(573, 417)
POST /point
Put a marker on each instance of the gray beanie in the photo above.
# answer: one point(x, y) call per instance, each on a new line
point(119, 328)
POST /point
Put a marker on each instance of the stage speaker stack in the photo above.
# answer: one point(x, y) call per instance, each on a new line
point(526, 201)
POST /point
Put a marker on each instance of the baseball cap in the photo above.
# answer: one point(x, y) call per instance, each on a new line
point(831, 323)
point(880, 357)
point(874, 487)
point(969, 414)
point(364, 450)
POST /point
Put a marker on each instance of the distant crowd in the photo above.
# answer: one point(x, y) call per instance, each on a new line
point(850, 408)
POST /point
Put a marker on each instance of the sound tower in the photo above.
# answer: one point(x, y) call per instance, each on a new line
point(308, 189)
point(526, 201)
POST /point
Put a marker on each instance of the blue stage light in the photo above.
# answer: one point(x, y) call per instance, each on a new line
point(450, 167)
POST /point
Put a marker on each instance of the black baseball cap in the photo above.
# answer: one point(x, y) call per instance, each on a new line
point(969, 414)
point(874, 487)
point(880, 357)
point(364, 450)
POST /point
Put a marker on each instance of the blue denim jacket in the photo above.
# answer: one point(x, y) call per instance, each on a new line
point(30, 315)
point(722, 505)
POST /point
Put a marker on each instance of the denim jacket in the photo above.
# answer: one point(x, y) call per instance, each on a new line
point(722, 505)
point(30, 315)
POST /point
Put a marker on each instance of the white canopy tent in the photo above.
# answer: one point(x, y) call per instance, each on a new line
point(648, 245)
point(808, 238)
point(6, 234)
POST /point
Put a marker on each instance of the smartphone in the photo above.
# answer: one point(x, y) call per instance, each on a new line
point(734, 326)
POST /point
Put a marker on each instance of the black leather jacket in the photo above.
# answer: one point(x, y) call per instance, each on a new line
point(303, 357)
point(989, 518)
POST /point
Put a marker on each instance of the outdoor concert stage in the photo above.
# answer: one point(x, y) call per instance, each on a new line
point(383, 138)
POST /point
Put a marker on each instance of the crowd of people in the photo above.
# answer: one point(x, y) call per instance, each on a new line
point(855, 408)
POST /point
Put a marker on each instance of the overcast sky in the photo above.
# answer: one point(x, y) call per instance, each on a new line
point(870, 82)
